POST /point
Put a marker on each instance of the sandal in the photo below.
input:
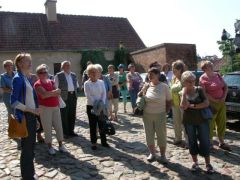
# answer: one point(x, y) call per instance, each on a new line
point(225, 147)
point(210, 169)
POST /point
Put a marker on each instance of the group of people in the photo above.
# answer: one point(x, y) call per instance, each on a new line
point(166, 90)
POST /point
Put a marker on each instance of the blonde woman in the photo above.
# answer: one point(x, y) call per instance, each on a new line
point(94, 90)
point(178, 68)
point(24, 101)
point(197, 128)
point(216, 91)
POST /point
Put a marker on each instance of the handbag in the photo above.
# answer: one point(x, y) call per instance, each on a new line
point(140, 102)
point(108, 127)
point(62, 104)
point(206, 113)
point(17, 129)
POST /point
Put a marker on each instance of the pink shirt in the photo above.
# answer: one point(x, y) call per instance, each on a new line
point(213, 85)
point(49, 86)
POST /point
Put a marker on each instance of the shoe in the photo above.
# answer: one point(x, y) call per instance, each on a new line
point(210, 169)
point(125, 111)
point(66, 136)
point(106, 145)
point(151, 158)
point(73, 134)
point(163, 160)
point(177, 143)
point(40, 138)
point(51, 151)
point(225, 147)
point(94, 147)
point(195, 167)
point(63, 149)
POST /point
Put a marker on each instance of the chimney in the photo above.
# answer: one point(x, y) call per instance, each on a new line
point(51, 10)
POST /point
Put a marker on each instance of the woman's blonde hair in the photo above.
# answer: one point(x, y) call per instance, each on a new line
point(187, 75)
point(19, 58)
point(91, 67)
point(206, 63)
point(41, 67)
point(99, 68)
point(6, 62)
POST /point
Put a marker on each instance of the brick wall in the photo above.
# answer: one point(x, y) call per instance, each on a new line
point(163, 53)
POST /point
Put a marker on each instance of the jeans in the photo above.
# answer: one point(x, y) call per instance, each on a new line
point(199, 133)
point(133, 95)
point(28, 144)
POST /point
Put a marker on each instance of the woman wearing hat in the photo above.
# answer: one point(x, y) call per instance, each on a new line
point(123, 85)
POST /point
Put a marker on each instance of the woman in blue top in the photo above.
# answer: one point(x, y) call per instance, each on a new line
point(24, 102)
point(6, 84)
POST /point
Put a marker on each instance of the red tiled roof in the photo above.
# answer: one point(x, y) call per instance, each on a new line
point(28, 31)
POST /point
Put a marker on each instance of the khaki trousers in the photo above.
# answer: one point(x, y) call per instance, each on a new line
point(51, 117)
point(177, 124)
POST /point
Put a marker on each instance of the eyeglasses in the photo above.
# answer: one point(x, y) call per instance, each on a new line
point(43, 72)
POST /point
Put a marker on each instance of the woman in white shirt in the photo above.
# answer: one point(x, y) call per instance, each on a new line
point(94, 90)
point(158, 103)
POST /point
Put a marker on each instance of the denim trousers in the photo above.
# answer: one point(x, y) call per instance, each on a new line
point(27, 145)
point(133, 95)
point(198, 138)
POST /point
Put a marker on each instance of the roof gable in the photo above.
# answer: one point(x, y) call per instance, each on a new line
point(28, 31)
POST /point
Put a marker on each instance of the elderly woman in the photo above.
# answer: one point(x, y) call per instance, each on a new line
point(24, 101)
point(158, 102)
point(122, 83)
point(113, 102)
point(134, 81)
point(176, 86)
point(193, 100)
point(48, 98)
point(94, 90)
point(216, 91)
point(107, 83)
point(6, 84)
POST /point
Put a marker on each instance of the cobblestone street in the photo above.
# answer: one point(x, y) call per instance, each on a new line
point(126, 159)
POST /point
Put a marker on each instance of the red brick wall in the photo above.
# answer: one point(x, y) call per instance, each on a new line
point(166, 53)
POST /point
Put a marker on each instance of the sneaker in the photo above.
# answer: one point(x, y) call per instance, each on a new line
point(151, 158)
point(195, 167)
point(210, 169)
point(106, 145)
point(63, 149)
point(225, 147)
point(163, 160)
point(51, 151)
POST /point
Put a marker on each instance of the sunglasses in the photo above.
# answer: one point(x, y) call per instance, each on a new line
point(44, 72)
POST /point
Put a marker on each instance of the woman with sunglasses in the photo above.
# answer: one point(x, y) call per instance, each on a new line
point(50, 111)
point(24, 101)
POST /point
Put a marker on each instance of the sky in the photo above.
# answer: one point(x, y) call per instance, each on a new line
point(197, 22)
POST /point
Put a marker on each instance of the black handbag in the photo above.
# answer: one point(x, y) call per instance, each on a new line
point(108, 127)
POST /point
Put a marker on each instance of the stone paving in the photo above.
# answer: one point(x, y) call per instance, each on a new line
point(126, 159)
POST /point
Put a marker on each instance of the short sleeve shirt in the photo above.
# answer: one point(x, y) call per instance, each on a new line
point(156, 97)
point(213, 86)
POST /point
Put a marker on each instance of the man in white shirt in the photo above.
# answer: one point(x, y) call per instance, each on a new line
point(67, 82)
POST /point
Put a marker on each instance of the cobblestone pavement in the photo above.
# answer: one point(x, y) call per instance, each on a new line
point(126, 159)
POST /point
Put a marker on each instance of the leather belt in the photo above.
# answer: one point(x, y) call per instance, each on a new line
point(71, 92)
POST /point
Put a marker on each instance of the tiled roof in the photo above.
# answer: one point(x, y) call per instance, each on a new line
point(32, 31)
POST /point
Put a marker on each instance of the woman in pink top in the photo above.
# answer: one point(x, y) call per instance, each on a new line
point(216, 91)
point(50, 112)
